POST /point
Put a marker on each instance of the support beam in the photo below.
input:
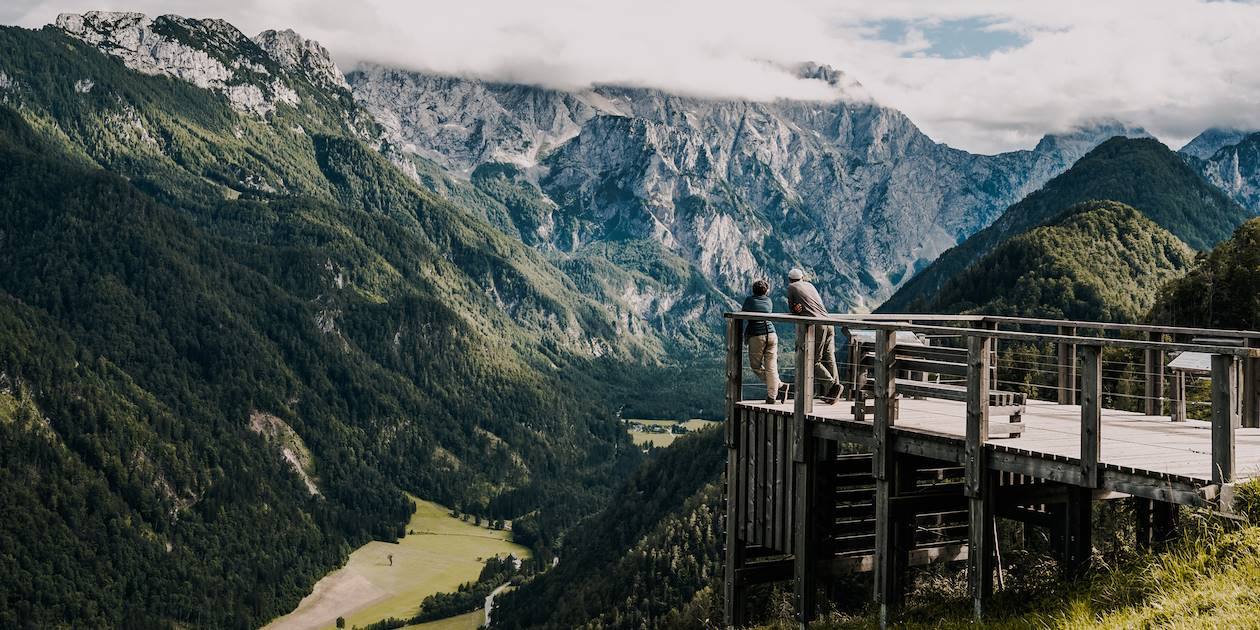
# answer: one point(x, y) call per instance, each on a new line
point(805, 557)
point(1225, 416)
point(733, 594)
point(885, 401)
point(733, 590)
point(1155, 521)
point(993, 350)
point(1143, 510)
point(1154, 392)
point(981, 546)
point(1078, 530)
point(1091, 412)
point(1251, 388)
point(977, 476)
point(803, 399)
point(1178, 396)
point(805, 470)
point(734, 374)
point(1163, 521)
point(891, 549)
point(1067, 368)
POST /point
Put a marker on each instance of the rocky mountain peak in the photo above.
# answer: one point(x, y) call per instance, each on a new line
point(295, 52)
point(821, 72)
point(210, 54)
point(1083, 137)
point(1206, 144)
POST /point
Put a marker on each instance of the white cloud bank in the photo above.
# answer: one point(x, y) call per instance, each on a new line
point(1173, 66)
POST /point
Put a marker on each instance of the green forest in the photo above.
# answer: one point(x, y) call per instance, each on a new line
point(1098, 261)
point(155, 306)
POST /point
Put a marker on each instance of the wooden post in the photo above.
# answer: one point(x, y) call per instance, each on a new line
point(1067, 368)
point(977, 483)
point(733, 609)
point(1178, 396)
point(1225, 416)
point(885, 398)
point(1091, 412)
point(803, 399)
point(805, 471)
point(733, 591)
point(1143, 512)
point(1078, 538)
point(734, 374)
point(888, 549)
point(1163, 521)
point(993, 360)
point(1251, 388)
point(1154, 394)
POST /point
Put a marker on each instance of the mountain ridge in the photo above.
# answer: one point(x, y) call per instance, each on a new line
point(1096, 261)
point(847, 189)
point(1142, 173)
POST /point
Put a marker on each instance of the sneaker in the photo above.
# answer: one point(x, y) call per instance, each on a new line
point(833, 394)
point(783, 392)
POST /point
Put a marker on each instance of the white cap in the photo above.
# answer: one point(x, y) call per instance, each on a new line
point(796, 274)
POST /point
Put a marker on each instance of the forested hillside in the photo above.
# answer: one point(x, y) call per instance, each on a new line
point(649, 560)
point(1222, 290)
point(1098, 261)
point(233, 339)
point(1141, 173)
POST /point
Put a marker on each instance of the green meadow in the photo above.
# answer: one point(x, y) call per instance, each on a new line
point(438, 554)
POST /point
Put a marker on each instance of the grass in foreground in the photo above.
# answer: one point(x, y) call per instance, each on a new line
point(1208, 579)
point(443, 553)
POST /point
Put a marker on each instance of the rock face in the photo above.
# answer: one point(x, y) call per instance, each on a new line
point(460, 124)
point(255, 75)
point(1204, 145)
point(849, 190)
point(1235, 169)
point(304, 55)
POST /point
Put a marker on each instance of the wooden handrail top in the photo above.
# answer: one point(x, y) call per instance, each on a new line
point(886, 322)
point(1069, 323)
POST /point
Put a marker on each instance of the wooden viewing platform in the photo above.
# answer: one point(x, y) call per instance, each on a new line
point(885, 479)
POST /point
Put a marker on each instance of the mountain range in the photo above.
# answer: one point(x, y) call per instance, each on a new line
point(736, 190)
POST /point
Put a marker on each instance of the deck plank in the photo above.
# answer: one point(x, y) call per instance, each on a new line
point(1132, 442)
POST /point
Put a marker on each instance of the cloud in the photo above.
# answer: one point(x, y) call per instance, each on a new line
point(984, 75)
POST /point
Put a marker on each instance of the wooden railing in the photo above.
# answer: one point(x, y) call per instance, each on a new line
point(1235, 372)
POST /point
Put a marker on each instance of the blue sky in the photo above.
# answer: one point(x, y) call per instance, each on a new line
point(952, 39)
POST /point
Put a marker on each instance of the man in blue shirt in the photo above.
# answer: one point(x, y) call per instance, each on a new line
point(763, 343)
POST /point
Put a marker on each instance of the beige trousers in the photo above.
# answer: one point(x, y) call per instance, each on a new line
point(763, 358)
point(826, 373)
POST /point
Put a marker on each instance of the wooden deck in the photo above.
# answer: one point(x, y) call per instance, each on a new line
point(1133, 444)
point(813, 492)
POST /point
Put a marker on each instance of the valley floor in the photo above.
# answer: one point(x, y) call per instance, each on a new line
point(442, 553)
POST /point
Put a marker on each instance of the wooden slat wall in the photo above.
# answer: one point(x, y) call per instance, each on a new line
point(765, 485)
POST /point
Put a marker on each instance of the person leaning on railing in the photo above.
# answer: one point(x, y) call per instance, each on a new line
point(763, 343)
point(804, 300)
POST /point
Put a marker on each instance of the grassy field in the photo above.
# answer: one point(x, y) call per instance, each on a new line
point(443, 553)
point(665, 439)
